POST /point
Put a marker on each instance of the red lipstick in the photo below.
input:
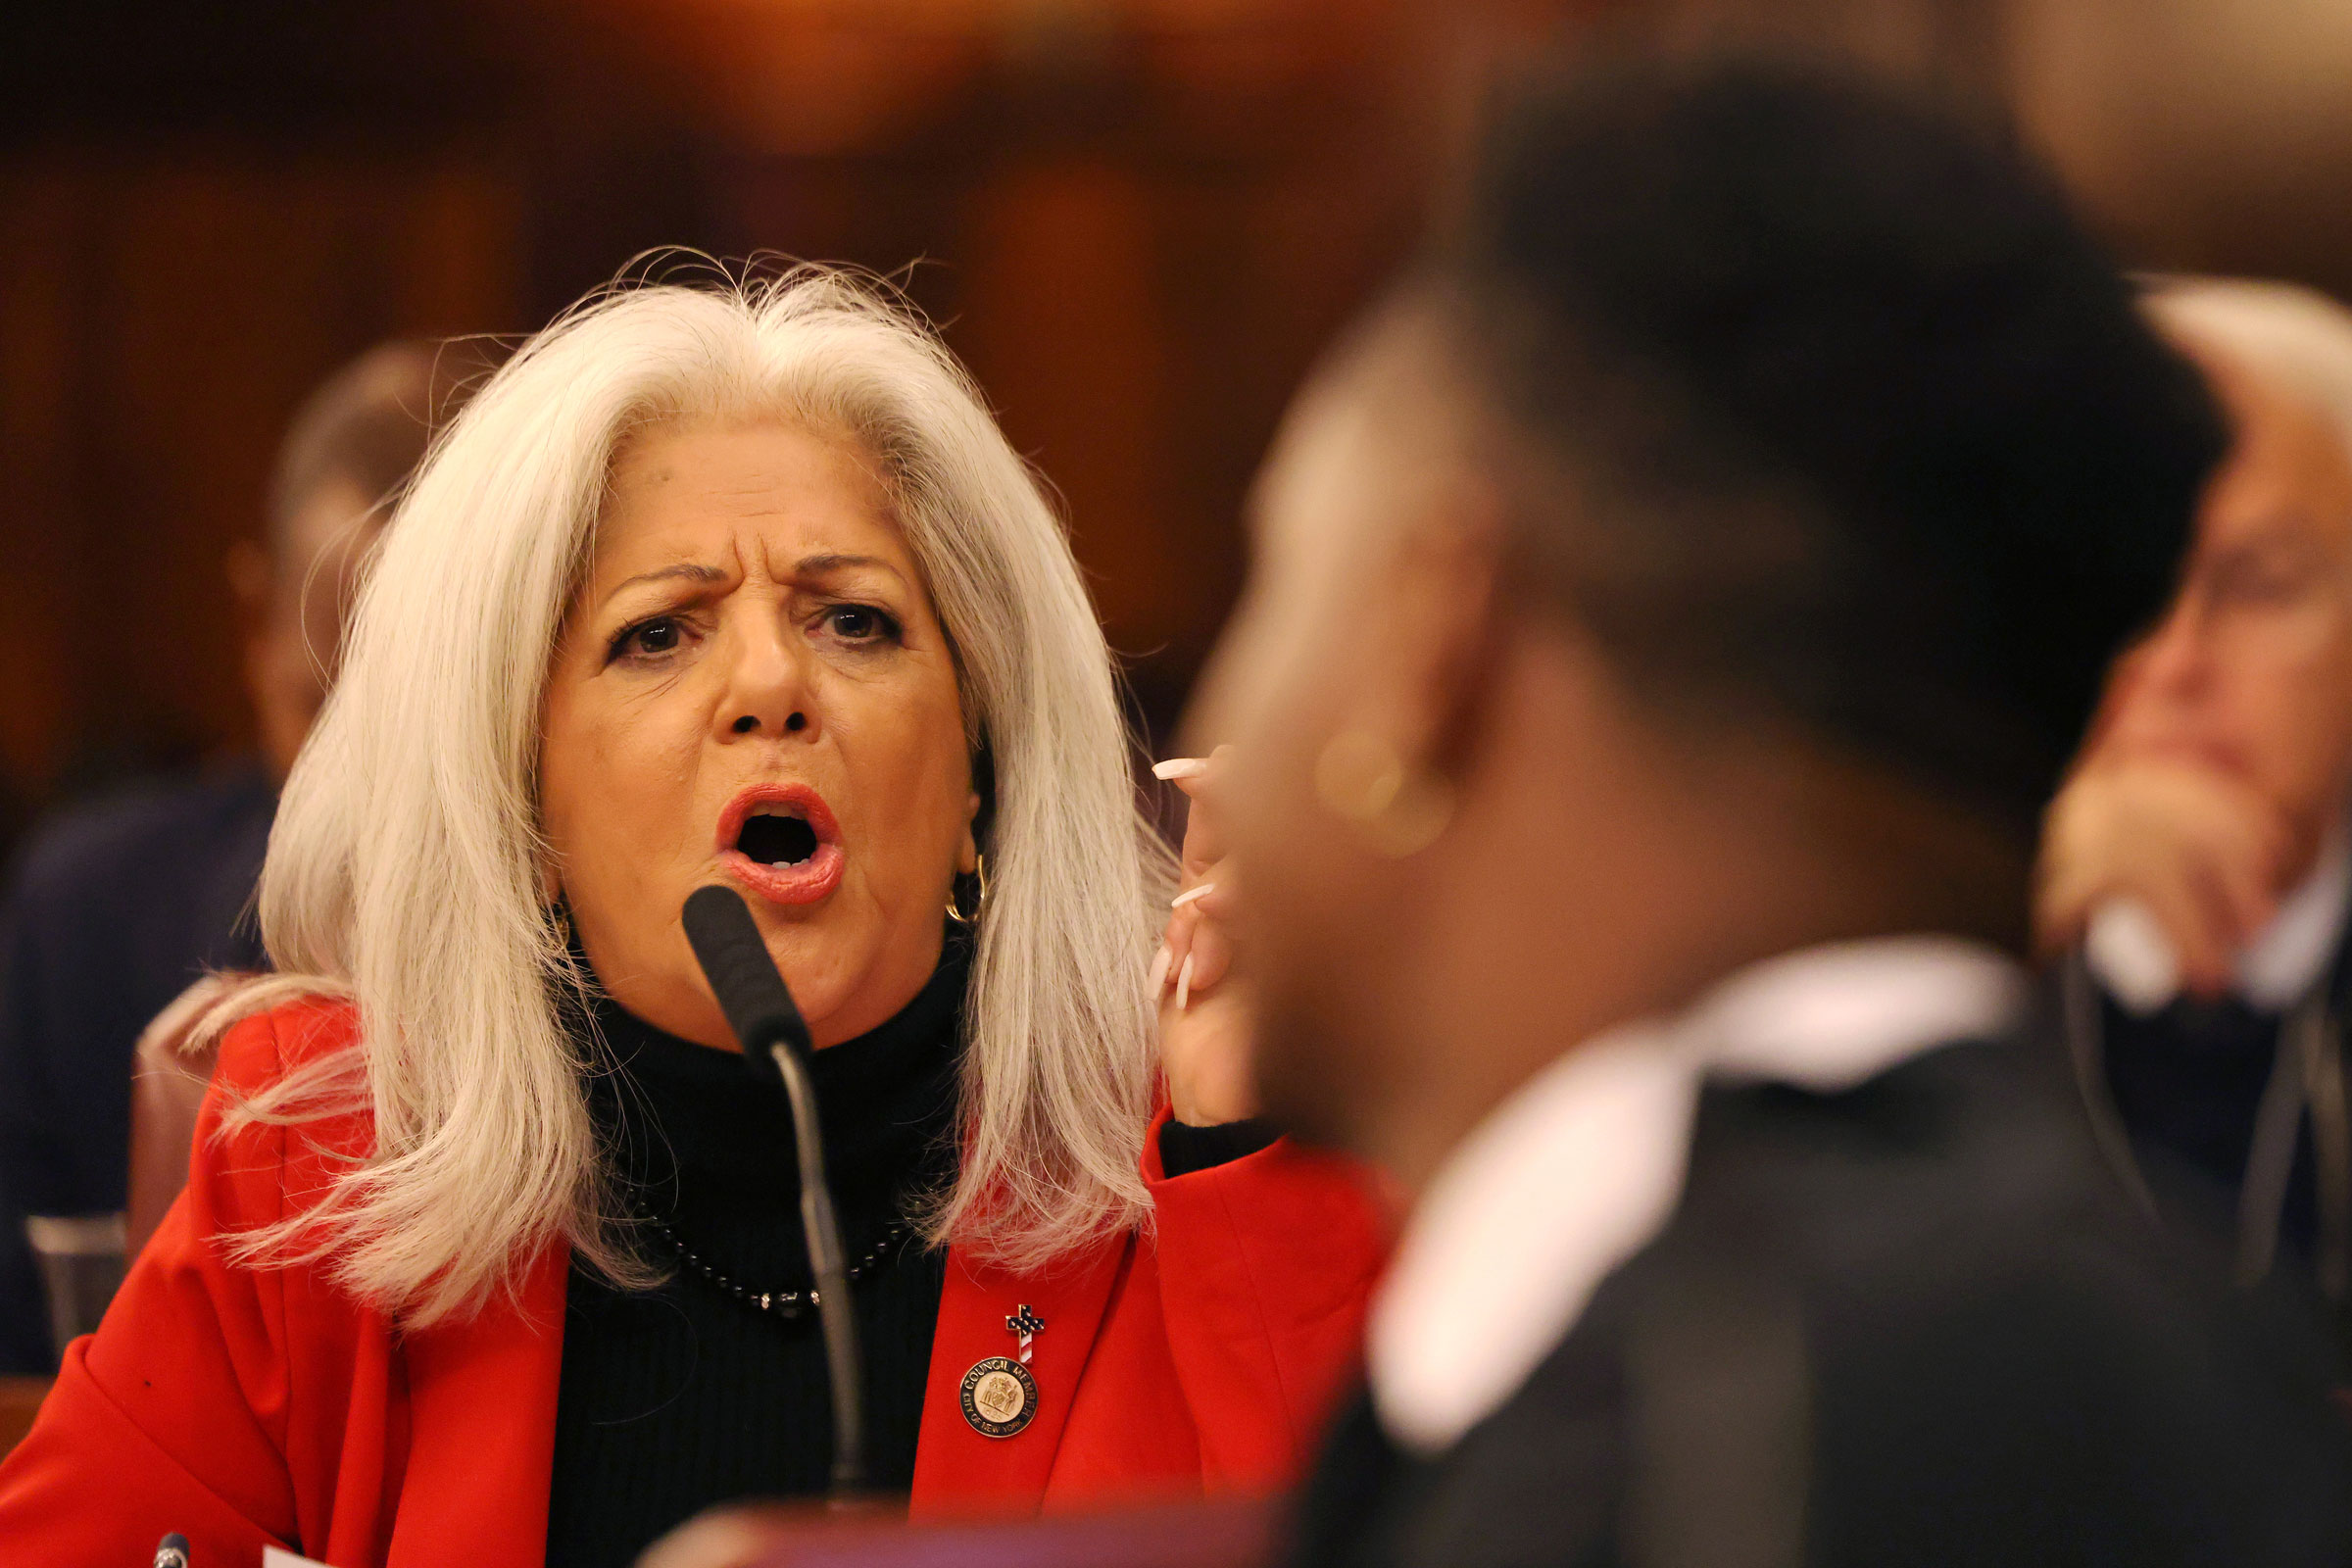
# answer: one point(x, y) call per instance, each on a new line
point(803, 881)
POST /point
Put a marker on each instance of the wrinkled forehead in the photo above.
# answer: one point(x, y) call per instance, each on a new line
point(784, 487)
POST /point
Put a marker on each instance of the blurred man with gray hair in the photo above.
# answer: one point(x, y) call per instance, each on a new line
point(116, 906)
point(2197, 856)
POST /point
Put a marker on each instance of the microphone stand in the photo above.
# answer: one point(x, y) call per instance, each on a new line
point(766, 1022)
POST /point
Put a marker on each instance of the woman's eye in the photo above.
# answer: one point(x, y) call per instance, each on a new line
point(860, 623)
point(649, 639)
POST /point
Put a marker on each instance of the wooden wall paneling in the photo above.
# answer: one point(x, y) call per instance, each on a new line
point(1061, 321)
point(165, 316)
point(902, 218)
point(225, 297)
point(452, 238)
point(41, 579)
point(2209, 135)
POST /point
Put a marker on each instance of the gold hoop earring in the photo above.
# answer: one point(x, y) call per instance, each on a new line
point(1361, 779)
point(979, 898)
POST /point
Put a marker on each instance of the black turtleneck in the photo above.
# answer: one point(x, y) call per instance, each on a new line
point(682, 1397)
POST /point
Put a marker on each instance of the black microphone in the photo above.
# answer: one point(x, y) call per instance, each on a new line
point(760, 1009)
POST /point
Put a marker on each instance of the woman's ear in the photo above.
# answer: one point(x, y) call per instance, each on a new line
point(1445, 604)
point(968, 859)
point(979, 808)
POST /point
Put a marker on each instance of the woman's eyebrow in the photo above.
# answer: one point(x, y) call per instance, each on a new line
point(689, 572)
point(817, 566)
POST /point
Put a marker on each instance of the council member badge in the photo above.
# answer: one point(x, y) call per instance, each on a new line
point(1000, 1396)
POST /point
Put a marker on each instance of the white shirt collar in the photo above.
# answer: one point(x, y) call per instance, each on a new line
point(1582, 1167)
point(2291, 955)
point(2134, 961)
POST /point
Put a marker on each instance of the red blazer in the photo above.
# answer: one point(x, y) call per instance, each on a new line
point(243, 1407)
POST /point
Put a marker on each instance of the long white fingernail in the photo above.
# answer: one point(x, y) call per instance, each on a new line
point(1187, 897)
point(1184, 984)
point(1158, 978)
point(1180, 768)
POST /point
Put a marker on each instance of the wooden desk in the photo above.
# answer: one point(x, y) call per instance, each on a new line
point(19, 1401)
point(1202, 1534)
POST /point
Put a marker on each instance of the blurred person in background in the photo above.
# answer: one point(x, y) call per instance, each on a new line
point(492, 1250)
point(117, 904)
point(2196, 859)
point(1668, 619)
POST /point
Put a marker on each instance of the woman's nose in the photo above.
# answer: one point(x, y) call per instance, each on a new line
point(767, 689)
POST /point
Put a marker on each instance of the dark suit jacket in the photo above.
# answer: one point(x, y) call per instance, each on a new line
point(112, 909)
point(1912, 1324)
point(2185, 1085)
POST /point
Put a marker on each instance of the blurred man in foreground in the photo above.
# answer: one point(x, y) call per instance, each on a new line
point(118, 905)
point(1667, 624)
point(2198, 854)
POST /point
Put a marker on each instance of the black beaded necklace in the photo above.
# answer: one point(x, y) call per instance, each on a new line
point(790, 1306)
point(692, 1134)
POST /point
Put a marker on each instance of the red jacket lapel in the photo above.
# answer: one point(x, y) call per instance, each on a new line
point(960, 1470)
point(483, 1448)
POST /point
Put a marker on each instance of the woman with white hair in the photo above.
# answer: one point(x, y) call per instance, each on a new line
point(490, 1253)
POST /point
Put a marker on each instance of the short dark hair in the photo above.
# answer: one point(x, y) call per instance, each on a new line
point(1835, 407)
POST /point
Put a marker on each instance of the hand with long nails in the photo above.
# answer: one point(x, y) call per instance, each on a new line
point(1204, 1018)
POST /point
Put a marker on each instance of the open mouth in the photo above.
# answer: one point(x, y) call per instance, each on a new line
point(773, 838)
point(780, 841)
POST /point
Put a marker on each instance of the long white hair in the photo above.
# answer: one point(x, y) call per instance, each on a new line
point(405, 869)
